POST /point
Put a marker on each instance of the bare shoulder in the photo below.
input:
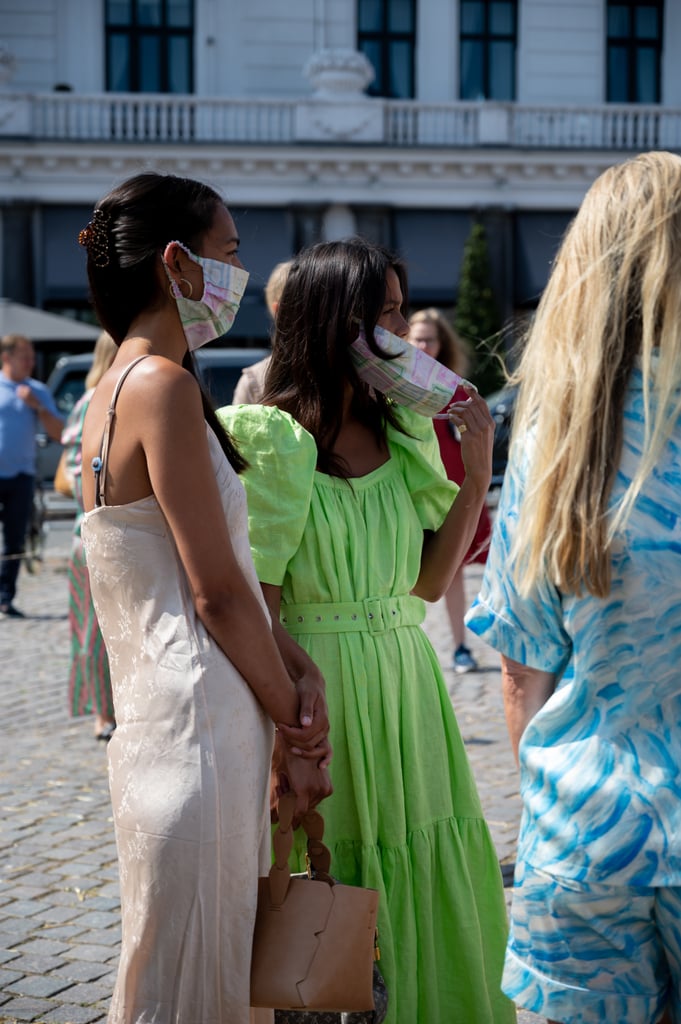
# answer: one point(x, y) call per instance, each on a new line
point(154, 385)
point(158, 374)
point(155, 391)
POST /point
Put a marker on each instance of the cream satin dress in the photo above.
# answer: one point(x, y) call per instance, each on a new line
point(188, 769)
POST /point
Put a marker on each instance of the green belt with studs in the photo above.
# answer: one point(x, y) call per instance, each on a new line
point(373, 615)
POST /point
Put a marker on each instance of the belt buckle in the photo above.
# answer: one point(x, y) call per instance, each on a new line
point(373, 609)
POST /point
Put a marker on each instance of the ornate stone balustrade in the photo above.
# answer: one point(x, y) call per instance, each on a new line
point(132, 118)
point(137, 117)
point(608, 127)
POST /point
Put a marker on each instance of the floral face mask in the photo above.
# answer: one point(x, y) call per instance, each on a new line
point(410, 378)
point(212, 315)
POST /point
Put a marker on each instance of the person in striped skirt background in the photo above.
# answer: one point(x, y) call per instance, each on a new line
point(89, 681)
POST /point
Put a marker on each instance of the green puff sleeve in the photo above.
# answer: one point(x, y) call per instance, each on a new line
point(282, 458)
point(419, 453)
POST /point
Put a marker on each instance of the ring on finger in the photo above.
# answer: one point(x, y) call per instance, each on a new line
point(463, 428)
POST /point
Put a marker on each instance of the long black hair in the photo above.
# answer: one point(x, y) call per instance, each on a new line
point(331, 288)
point(129, 230)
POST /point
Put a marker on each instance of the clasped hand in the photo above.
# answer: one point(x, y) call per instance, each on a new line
point(302, 753)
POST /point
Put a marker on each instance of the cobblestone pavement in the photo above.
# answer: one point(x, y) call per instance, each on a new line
point(59, 908)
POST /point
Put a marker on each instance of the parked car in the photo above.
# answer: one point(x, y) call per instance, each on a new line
point(501, 404)
point(219, 368)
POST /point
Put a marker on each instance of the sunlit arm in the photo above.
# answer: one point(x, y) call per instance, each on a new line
point(445, 550)
point(525, 692)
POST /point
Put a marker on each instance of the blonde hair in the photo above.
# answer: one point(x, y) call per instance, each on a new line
point(454, 352)
point(102, 357)
point(275, 285)
point(613, 297)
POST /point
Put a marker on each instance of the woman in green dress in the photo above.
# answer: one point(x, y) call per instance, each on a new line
point(353, 524)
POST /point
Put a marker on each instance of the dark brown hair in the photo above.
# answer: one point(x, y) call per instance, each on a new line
point(129, 230)
point(331, 288)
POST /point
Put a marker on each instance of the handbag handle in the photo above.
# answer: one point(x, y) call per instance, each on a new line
point(319, 857)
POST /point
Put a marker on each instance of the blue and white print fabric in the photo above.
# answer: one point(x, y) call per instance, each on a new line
point(601, 761)
point(627, 937)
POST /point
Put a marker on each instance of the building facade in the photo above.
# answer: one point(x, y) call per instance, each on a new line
point(402, 120)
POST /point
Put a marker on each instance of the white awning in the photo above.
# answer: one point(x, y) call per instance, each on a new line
point(38, 325)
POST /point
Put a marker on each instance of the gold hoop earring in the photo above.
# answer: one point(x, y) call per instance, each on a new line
point(189, 285)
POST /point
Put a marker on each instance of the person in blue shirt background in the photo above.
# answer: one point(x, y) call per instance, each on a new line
point(25, 405)
point(582, 597)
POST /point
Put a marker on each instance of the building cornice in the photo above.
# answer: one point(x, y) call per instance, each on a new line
point(311, 174)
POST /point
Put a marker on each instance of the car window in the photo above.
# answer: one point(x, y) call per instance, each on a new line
point(67, 383)
point(219, 382)
point(219, 379)
point(69, 390)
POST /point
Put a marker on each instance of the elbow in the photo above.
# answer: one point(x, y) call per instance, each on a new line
point(214, 605)
point(429, 590)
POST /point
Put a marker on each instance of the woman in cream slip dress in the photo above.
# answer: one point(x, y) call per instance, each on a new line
point(197, 678)
point(187, 725)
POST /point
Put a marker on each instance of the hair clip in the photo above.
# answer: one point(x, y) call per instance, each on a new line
point(95, 238)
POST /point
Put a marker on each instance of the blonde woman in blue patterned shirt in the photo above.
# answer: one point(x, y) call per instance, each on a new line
point(582, 597)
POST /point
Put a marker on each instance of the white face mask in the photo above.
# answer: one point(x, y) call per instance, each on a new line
point(212, 315)
point(411, 378)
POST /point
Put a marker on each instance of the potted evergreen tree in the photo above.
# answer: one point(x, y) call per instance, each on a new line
point(477, 317)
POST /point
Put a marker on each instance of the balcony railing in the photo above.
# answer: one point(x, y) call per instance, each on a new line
point(410, 123)
point(139, 117)
point(609, 127)
point(632, 127)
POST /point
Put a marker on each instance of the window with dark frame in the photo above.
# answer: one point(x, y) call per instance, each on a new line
point(149, 46)
point(487, 49)
point(386, 35)
point(634, 51)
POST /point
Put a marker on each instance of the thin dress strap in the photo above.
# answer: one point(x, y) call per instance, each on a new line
point(100, 461)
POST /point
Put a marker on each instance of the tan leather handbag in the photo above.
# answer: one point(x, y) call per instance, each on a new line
point(314, 939)
point(63, 481)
